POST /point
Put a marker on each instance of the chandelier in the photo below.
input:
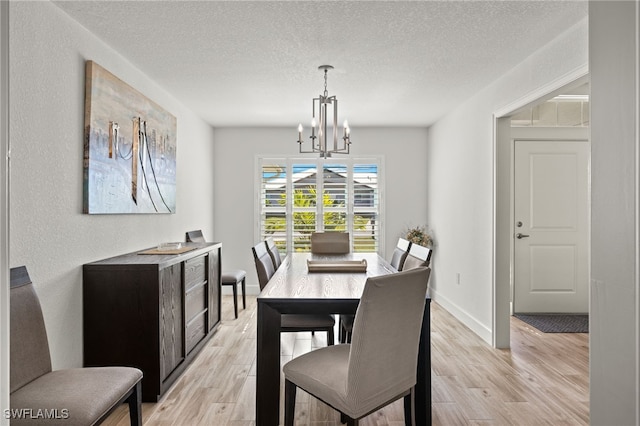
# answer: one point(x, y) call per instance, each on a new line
point(321, 141)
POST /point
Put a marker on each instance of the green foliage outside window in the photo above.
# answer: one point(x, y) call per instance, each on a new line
point(304, 222)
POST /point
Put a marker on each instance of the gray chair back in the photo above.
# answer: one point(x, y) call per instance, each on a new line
point(400, 253)
point(195, 237)
point(418, 256)
point(386, 335)
point(264, 264)
point(29, 351)
point(330, 242)
point(273, 252)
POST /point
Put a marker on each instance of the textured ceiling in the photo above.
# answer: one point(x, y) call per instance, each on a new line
point(246, 63)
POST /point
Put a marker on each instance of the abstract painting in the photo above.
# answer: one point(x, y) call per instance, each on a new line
point(129, 149)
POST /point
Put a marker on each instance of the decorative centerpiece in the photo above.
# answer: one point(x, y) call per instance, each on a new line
point(337, 266)
point(169, 246)
point(419, 235)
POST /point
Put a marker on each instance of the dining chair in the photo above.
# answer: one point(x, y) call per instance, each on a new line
point(398, 257)
point(273, 252)
point(195, 236)
point(290, 322)
point(231, 277)
point(400, 253)
point(73, 396)
point(330, 242)
point(380, 364)
point(418, 256)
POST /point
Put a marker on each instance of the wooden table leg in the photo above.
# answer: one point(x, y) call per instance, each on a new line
point(423, 385)
point(268, 366)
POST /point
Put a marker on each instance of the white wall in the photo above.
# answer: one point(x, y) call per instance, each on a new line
point(404, 151)
point(615, 292)
point(460, 179)
point(4, 210)
point(49, 233)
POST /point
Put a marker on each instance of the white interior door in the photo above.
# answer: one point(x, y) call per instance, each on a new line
point(551, 226)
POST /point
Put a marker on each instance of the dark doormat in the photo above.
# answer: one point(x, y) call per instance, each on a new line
point(557, 323)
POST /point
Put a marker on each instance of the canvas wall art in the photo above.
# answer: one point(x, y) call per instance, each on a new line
point(129, 149)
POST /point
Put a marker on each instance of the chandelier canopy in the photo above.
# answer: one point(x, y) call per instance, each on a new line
point(327, 108)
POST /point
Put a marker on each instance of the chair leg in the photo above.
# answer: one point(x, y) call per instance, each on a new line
point(289, 402)
point(330, 337)
point(235, 300)
point(344, 336)
point(244, 298)
point(410, 406)
point(135, 405)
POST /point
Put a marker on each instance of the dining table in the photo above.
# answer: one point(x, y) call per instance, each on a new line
point(295, 289)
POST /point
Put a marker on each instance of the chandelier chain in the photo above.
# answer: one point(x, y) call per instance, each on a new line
point(326, 93)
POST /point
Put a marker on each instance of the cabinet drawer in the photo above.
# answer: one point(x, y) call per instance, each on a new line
point(196, 330)
point(195, 302)
point(194, 272)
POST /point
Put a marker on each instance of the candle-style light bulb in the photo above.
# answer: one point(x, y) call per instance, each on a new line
point(300, 132)
point(313, 127)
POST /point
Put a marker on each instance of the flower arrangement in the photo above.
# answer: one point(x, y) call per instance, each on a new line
point(419, 235)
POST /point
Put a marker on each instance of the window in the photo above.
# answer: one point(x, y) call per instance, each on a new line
point(299, 196)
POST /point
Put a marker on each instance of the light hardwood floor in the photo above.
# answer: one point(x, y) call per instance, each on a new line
point(542, 379)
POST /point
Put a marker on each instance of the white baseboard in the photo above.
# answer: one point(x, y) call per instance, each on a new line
point(461, 315)
point(480, 329)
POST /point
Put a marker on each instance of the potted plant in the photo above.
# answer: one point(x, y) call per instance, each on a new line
point(419, 235)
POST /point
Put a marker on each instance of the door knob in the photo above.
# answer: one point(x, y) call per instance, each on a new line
point(521, 236)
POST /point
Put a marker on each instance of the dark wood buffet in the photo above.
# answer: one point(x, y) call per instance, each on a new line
point(151, 311)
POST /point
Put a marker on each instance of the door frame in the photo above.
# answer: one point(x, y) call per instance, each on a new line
point(503, 215)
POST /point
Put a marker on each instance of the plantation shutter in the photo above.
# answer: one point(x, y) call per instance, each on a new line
point(295, 193)
point(304, 205)
point(334, 197)
point(273, 202)
point(366, 208)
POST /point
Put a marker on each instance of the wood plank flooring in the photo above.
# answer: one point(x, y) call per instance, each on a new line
point(542, 379)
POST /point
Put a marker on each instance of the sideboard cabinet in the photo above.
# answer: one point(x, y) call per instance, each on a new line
point(151, 311)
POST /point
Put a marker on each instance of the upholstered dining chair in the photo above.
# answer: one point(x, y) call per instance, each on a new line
point(74, 396)
point(290, 322)
point(418, 256)
point(398, 257)
point(330, 242)
point(273, 252)
point(195, 236)
point(264, 264)
point(379, 366)
point(231, 277)
point(400, 253)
